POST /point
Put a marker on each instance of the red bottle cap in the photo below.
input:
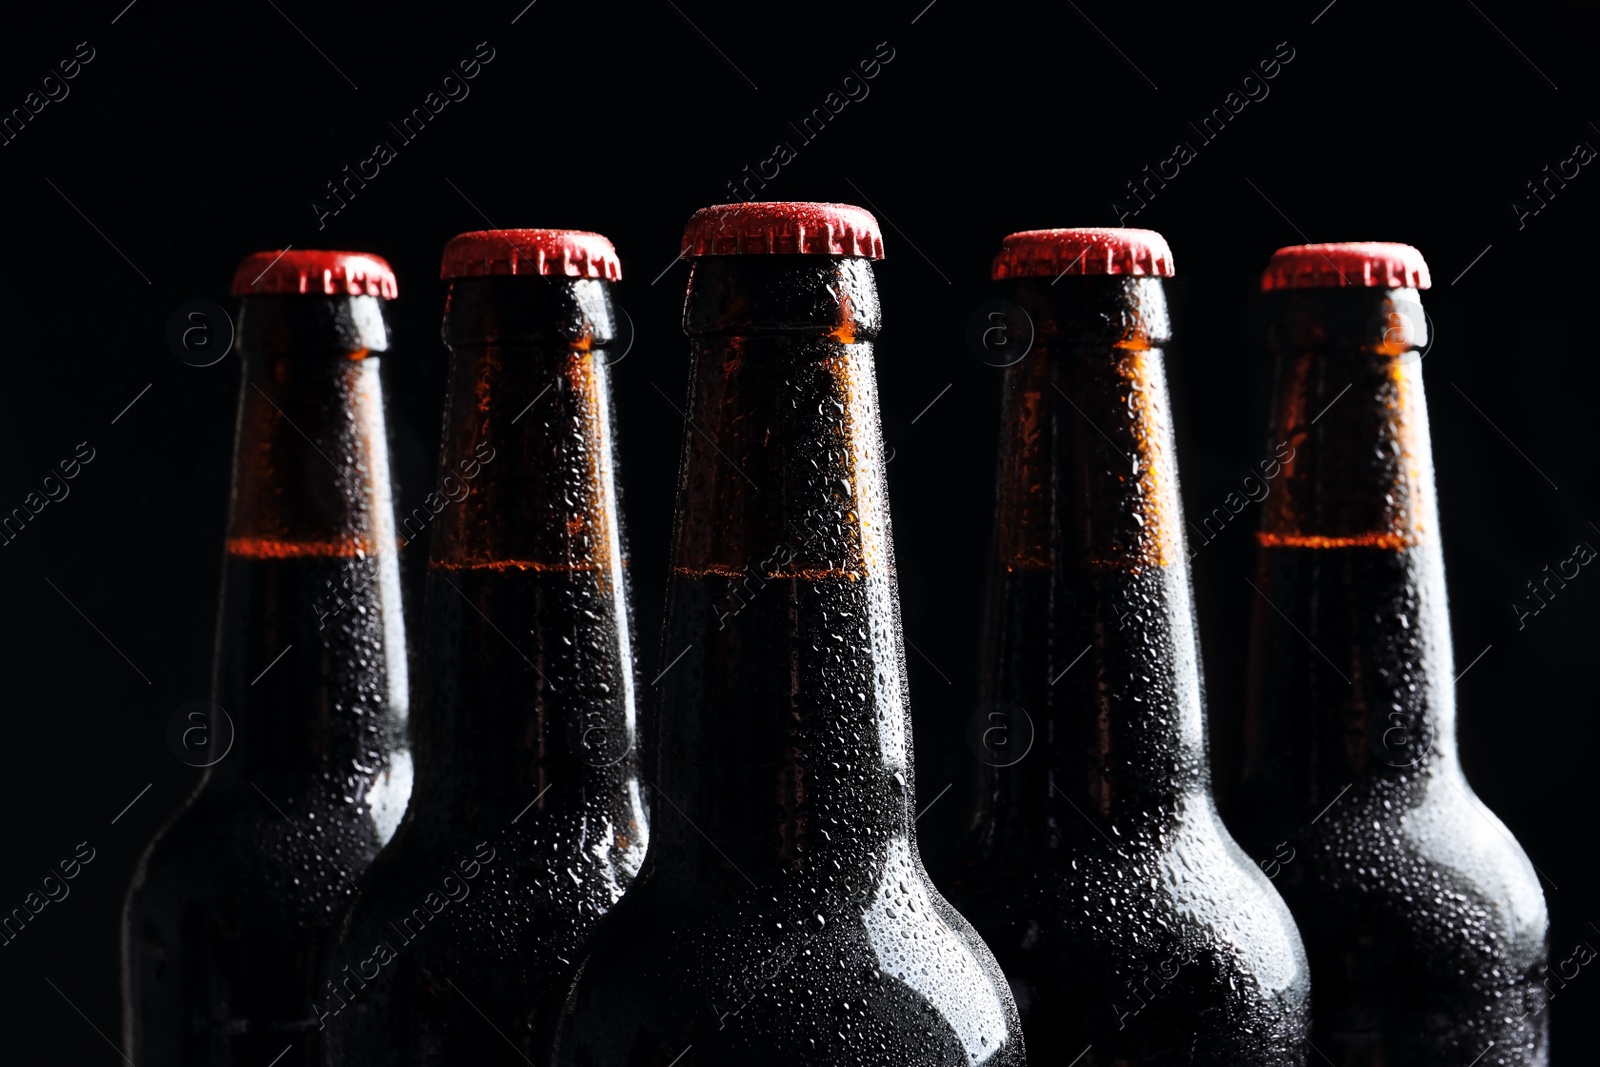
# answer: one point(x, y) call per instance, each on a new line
point(1082, 250)
point(572, 253)
point(1364, 264)
point(783, 227)
point(314, 273)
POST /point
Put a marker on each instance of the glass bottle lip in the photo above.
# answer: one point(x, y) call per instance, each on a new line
point(1383, 321)
point(529, 309)
point(341, 326)
point(1092, 313)
point(787, 294)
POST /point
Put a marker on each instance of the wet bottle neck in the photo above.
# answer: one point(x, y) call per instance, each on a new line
point(1352, 664)
point(1090, 686)
point(310, 666)
point(527, 670)
point(783, 729)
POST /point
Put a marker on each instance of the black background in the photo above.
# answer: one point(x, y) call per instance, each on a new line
point(199, 133)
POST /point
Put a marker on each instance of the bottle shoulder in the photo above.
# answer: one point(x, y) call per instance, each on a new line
point(496, 891)
point(254, 860)
point(1134, 901)
point(867, 968)
point(1165, 841)
point(1430, 857)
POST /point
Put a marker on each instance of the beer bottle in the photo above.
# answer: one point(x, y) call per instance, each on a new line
point(783, 914)
point(1132, 927)
point(232, 902)
point(526, 821)
point(1423, 919)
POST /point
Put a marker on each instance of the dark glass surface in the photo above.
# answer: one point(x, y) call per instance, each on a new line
point(233, 901)
point(1423, 919)
point(1131, 926)
point(526, 823)
point(783, 914)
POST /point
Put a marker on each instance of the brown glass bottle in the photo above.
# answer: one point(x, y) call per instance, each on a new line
point(783, 915)
point(526, 823)
point(1131, 926)
point(232, 902)
point(1423, 919)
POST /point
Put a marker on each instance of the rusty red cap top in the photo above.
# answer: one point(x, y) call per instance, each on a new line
point(1082, 250)
point(572, 253)
point(314, 273)
point(783, 227)
point(1363, 264)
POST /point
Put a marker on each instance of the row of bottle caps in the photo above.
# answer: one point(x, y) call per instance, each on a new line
point(790, 228)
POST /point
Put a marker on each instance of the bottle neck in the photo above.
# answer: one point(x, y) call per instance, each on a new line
point(1353, 671)
point(1090, 695)
point(784, 736)
point(311, 666)
point(528, 672)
